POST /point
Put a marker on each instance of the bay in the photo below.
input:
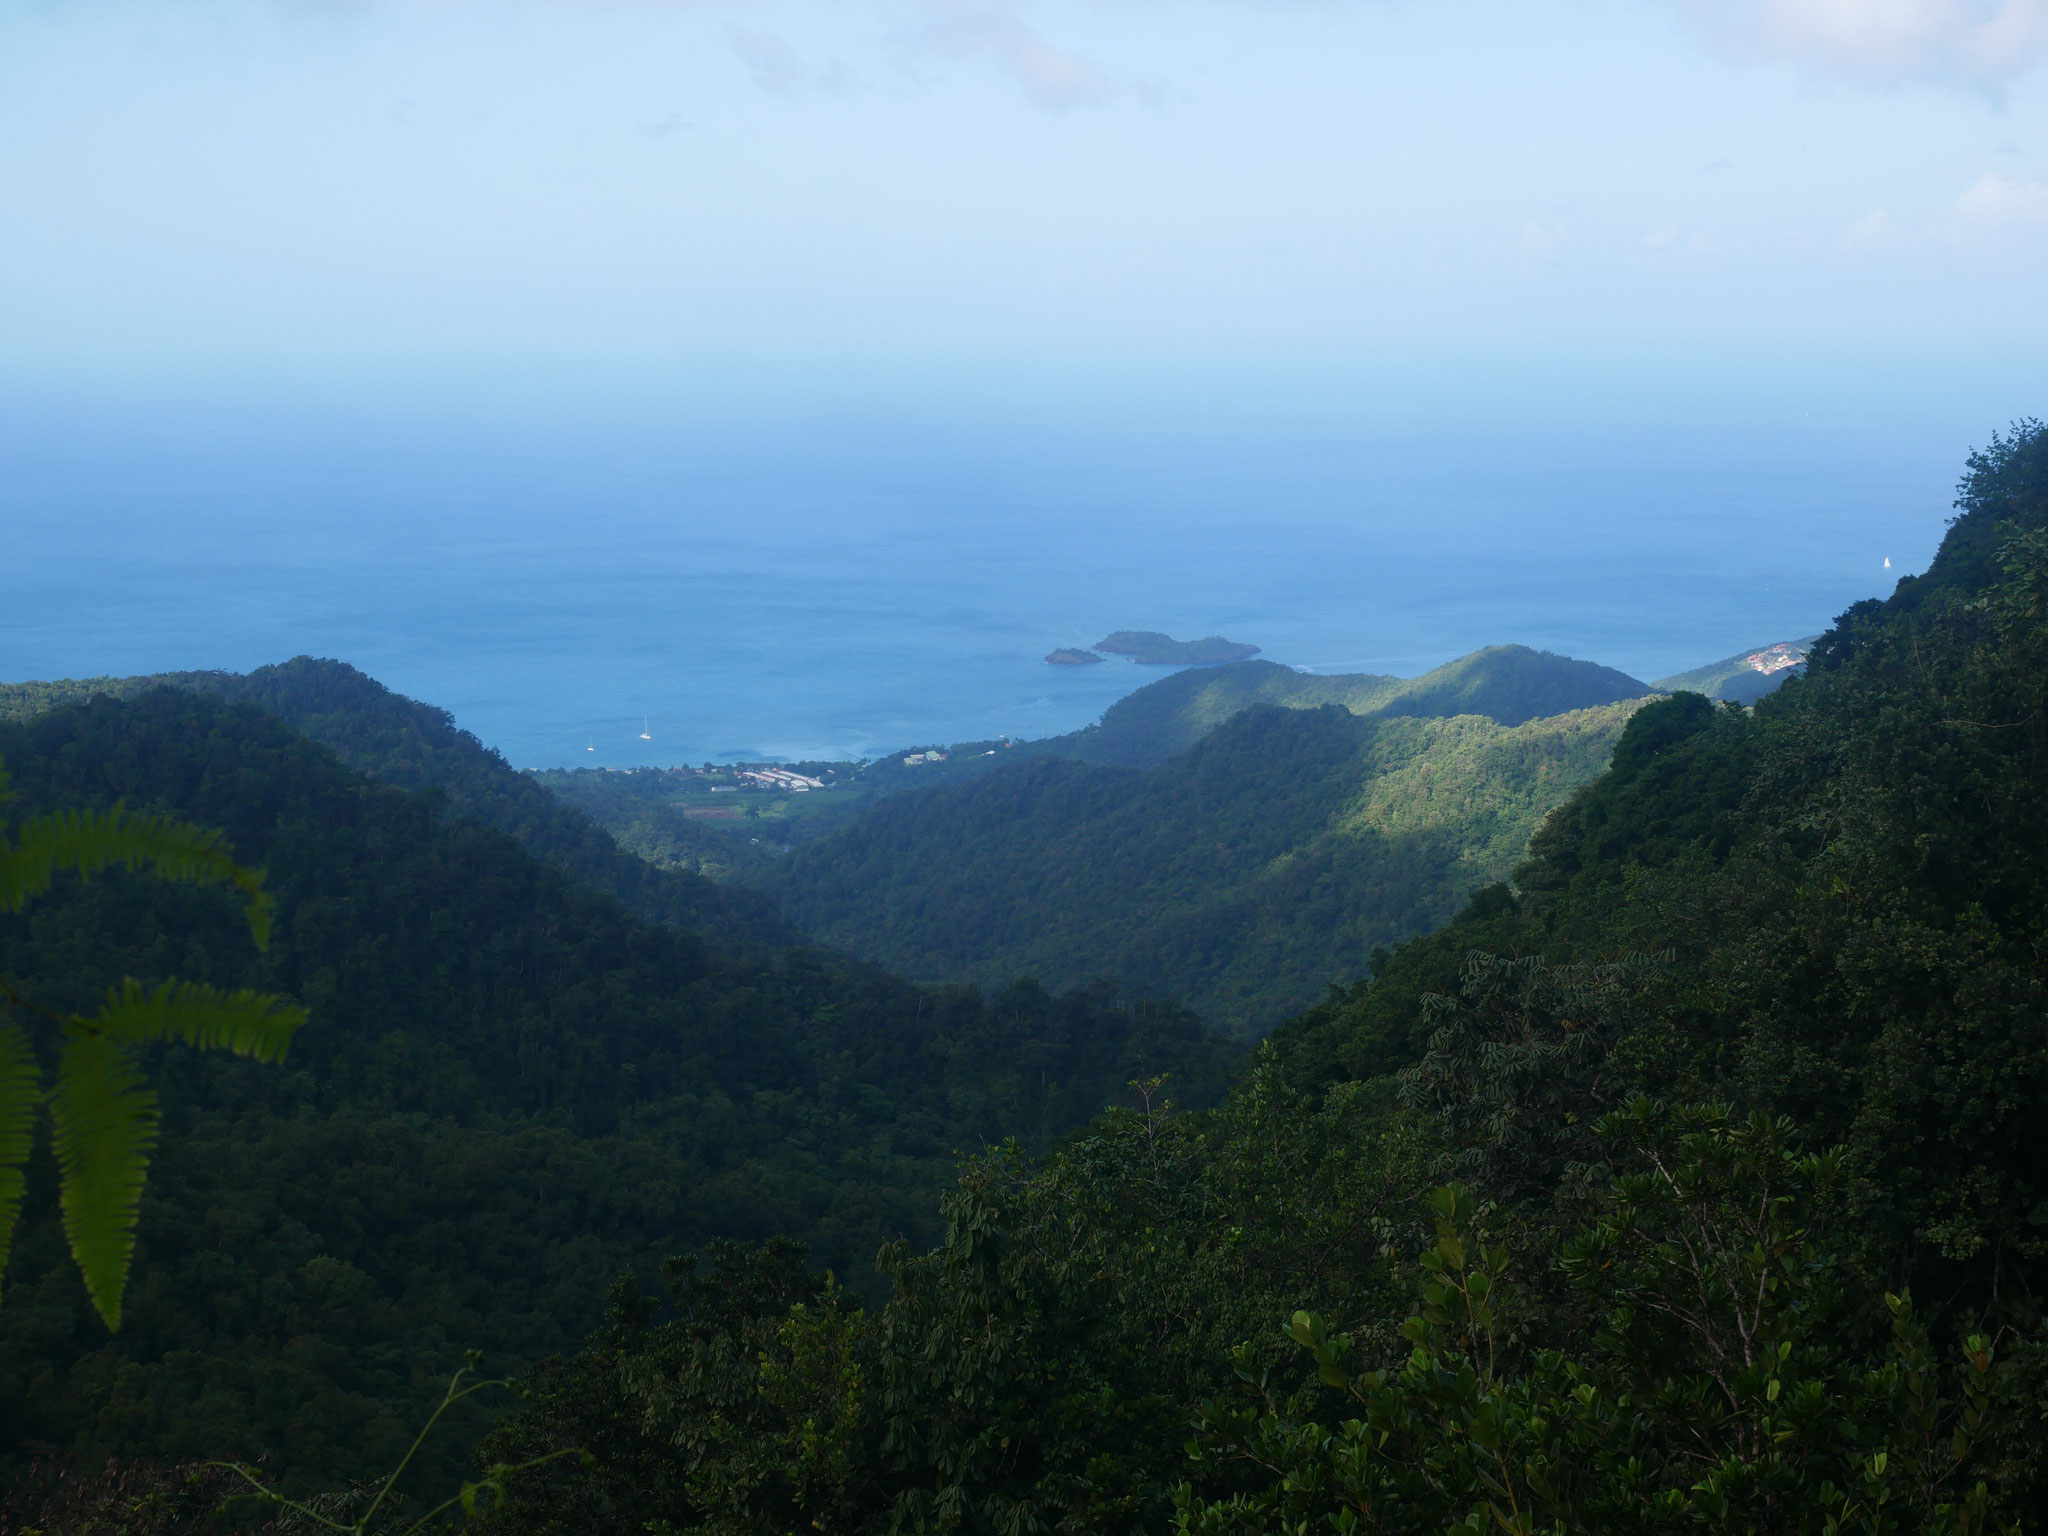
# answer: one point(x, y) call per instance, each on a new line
point(832, 562)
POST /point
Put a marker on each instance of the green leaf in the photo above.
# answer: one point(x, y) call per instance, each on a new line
point(87, 842)
point(20, 1092)
point(247, 1023)
point(105, 1128)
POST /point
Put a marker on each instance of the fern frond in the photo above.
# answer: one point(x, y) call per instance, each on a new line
point(20, 1092)
point(90, 841)
point(105, 1129)
point(248, 1023)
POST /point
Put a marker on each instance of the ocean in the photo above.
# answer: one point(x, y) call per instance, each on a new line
point(755, 562)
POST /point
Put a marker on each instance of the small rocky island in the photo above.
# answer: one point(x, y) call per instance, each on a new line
point(1067, 656)
point(1149, 647)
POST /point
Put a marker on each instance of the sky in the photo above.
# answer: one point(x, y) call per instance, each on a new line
point(194, 185)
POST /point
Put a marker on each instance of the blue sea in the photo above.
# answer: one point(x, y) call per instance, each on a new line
point(833, 559)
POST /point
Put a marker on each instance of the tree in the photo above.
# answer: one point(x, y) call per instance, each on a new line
point(103, 1116)
point(1724, 1394)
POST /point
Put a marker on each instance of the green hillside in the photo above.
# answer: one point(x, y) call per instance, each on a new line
point(1242, 876)
point(1695, 1182)
point(416, 746)
point(661, 816)
point(512, 1089)
point(1735, 679)
point(1509, 684)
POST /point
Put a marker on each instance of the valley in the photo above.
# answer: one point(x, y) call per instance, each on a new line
point(942, 1093)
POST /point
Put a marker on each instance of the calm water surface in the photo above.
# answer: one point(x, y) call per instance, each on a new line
point(844, 570)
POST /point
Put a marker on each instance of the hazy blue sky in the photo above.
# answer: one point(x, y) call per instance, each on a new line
point(191, 182)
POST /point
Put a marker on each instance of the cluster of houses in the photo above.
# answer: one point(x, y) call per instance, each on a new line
point(924, 757)
point(1774, 658)
point(781, 778)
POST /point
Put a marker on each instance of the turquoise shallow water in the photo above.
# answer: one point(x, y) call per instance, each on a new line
point(844, 572)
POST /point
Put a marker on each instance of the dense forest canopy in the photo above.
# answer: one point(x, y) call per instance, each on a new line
point(416, 746)
point(511, 1089)
point(1242, 876)
point(1705, 1162)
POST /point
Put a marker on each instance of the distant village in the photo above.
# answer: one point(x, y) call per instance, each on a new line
point(781, 778)
point(1774, 658)
point(732, 778)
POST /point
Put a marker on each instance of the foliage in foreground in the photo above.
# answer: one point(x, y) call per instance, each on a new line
point(1035, 1372)
point(117, 1498)
point(373, 1509)
point(1032, 1371)
point(103, 1117)
point(1726, 1391)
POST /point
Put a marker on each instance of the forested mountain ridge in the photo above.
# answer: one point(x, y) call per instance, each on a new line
point(1243, 875)
point(998, 865)
point(1508, 684)
point(1741, 1080)
point(510, 1091)
point(417, 746)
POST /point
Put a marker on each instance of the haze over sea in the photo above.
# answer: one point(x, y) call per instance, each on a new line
point(835, 560)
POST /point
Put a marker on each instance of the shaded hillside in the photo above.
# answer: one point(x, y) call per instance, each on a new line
point(416, 746)
point(1511, 684)
point(1164, 719)
point(1242, 876)
point(510, 1090)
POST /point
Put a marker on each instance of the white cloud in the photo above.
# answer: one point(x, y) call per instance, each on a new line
point(779, 69)
point(1976, 42)
point(770, 59)
point(1996, 201)
point(1874, 228)
point(1047, 74)
point(993, 32)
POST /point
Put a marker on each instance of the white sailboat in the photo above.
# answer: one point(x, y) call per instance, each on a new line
point(1887, 562)
point(591, 748)
point(646, 730)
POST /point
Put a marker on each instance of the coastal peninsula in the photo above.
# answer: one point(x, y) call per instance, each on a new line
point(1150, 648)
